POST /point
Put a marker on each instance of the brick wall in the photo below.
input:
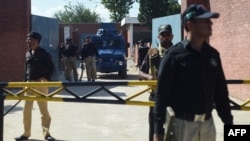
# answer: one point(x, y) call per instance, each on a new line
point(14, 26)
point(231, 34)
point(230, 37)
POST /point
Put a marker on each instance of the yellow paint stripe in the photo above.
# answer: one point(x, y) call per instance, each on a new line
point(245, 108)
point(140, 103)
point(246, 81)
point(57, 91)
point(137, 94)
point(33, 84)
point(245, 103)
point(142, 83)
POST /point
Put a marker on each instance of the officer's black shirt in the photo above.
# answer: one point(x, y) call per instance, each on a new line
point(191, 82)
point(155, 62)
point(142, 52)
point(38, 65)
point(71, 51)
point(89, 49)
point(145, 67)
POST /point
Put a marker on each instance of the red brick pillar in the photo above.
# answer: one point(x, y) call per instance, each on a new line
point(14, 26)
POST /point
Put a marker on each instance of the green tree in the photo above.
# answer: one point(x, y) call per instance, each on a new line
point(118, 8)
point(150, 9)
point(76, 14)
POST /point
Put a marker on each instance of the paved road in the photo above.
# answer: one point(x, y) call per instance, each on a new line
point(96, 122)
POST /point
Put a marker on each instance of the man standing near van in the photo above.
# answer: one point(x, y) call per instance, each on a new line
point(89, 53)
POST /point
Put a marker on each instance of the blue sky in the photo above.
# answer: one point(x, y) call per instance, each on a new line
point(48, 7)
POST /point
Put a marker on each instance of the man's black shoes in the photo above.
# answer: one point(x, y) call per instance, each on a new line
point(49, 138)
point(22, 138)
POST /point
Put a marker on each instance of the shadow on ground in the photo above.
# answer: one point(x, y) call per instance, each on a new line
point(116, 77)
point(44, 140)
point(10, 109)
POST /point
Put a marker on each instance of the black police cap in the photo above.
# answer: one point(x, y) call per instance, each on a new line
point(35, 35)
point(197, 11)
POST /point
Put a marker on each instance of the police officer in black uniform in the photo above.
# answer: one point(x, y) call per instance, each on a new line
point(39, 67)
point(142, 52)
point(150, 64)
point(191, 81)
point(89, 53)
point(70, 53)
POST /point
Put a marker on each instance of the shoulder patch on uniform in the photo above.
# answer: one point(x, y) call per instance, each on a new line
point(213, 62)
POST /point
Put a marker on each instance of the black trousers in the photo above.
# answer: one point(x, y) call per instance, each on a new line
point(151, 123)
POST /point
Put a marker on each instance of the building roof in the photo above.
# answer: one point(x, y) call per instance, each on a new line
point(129, 20)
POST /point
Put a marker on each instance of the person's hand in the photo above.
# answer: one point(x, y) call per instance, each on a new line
point(152, 77)
point(153, 51)
point(145, 76)
point(158, 137)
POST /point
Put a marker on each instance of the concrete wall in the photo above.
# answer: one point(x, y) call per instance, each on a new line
point(230, 37)
point(14, 26)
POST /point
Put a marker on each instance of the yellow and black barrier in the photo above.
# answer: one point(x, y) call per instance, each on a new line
point(244, 105)
point(238, 81)
point(63, 86)
point(22, 87)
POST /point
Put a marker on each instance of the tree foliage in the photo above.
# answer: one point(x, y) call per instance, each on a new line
point(76, 14)
point(118, 8)
point(150, 9)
